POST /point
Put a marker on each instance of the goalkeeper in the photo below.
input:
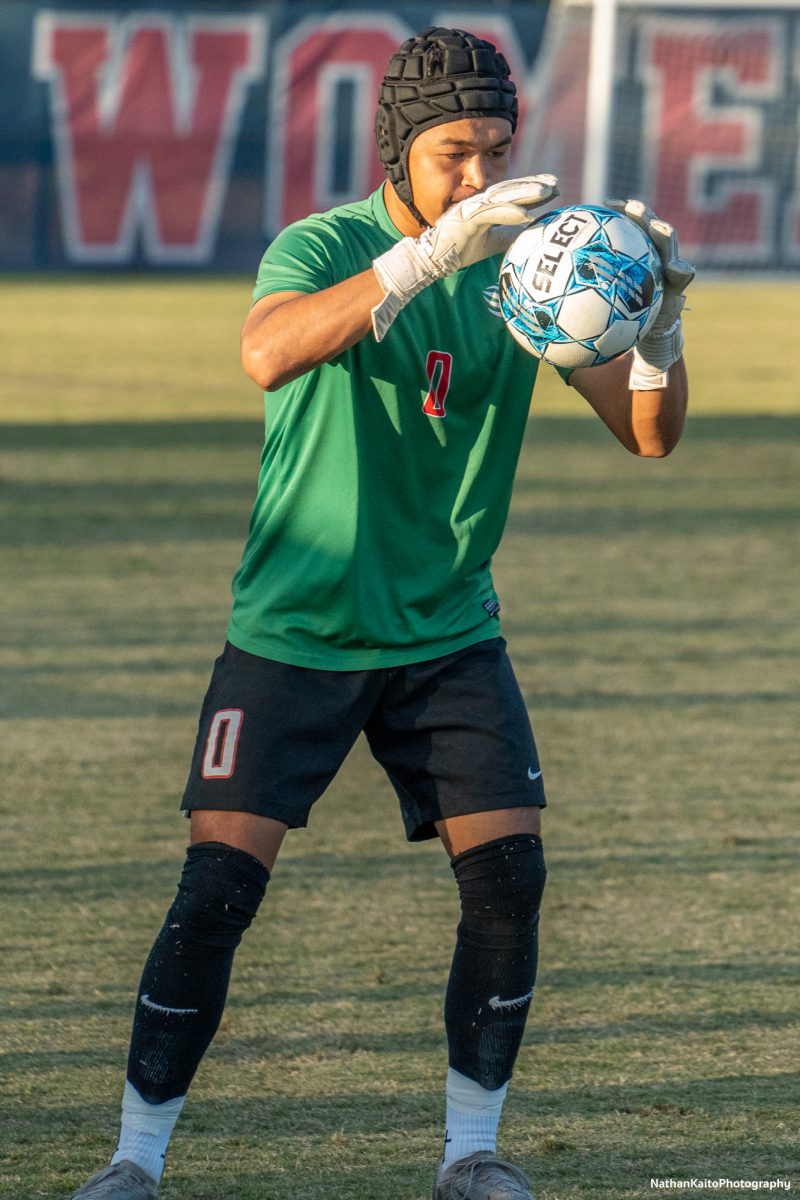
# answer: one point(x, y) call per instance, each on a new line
point(395, 411)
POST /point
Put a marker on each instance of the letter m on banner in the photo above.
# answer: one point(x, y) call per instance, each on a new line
point(145, 111)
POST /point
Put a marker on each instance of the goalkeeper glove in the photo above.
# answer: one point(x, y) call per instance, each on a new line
point(481, 226)
point(662, 345)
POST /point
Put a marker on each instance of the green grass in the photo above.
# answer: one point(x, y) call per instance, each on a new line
point(144, 349)
point(651, 610)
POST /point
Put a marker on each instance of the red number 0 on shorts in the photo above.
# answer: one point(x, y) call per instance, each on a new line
point(219, 759)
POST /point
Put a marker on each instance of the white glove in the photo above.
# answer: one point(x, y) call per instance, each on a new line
point(481, 226)
point(662, 345)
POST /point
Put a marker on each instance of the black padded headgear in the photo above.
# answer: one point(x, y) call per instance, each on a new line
point(439, 75)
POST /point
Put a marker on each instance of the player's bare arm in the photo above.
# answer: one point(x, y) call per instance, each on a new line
point(289, 333)
point(648, 423)
point(642, 396)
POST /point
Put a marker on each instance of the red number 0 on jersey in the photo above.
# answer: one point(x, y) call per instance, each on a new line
point(219, 759)
point(438, 367)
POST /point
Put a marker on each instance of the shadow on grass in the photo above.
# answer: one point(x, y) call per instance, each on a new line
point(376, 1112)
point(53, 703)
point(373, 1181)
point(320, 1146)
point(224, 434)
point(676, 1025)
point(115, 999)
point(305, 873)
point(191, 505)
point(566, 978)
point(69, 514)
point(103, 881)
point(224, 1173)
point(715, 1094)
point(41, 697)
point(284, 1116)
point(737, 852)
point(630, 699)
point(278, 1051)
point(132, 435)
point(112, 514)
point(620, 519)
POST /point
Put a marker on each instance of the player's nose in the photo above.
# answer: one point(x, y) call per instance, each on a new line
point(475, 173)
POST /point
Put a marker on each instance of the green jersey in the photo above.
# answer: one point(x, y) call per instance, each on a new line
point(386, 473)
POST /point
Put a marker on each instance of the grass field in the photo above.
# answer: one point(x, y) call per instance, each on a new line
point(652, 613)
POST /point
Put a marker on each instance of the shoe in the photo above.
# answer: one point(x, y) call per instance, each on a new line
point(482, 1176)
point(124, 1181)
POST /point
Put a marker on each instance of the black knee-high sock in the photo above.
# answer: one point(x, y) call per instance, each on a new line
point(185, 980)
point(494, 967)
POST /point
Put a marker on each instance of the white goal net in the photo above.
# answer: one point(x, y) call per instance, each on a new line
point(692, 107)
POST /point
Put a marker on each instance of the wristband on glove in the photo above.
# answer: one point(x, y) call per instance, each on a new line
point(474, 229)
point(403, 272)
point(662, 345)
point(655, 354)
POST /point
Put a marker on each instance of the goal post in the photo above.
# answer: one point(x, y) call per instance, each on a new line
point(599, 100)
point(689, 105)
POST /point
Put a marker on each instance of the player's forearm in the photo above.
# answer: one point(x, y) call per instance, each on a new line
point(657, 417)
point(648, 423)
point(282, 342)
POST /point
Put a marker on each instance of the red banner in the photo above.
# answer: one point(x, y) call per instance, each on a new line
point(181, 138)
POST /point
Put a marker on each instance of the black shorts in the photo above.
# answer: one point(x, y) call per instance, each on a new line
point(452, 734)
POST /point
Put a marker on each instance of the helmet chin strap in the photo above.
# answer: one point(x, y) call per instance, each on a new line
point(416, 214)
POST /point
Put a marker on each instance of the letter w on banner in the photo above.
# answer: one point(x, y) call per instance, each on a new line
point(146, 110)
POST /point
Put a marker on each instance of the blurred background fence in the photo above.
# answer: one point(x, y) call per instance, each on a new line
point(175, 134)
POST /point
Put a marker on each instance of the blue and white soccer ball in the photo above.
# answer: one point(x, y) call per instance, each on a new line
point(580, 286)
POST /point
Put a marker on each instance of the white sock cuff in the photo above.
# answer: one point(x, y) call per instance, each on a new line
point(156, 1119)
point(466, 1096)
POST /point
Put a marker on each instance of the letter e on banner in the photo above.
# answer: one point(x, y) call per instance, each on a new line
point(706, 83)
point(145, 113)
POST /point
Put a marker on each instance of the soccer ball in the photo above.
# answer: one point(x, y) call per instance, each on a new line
point(580, 286)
